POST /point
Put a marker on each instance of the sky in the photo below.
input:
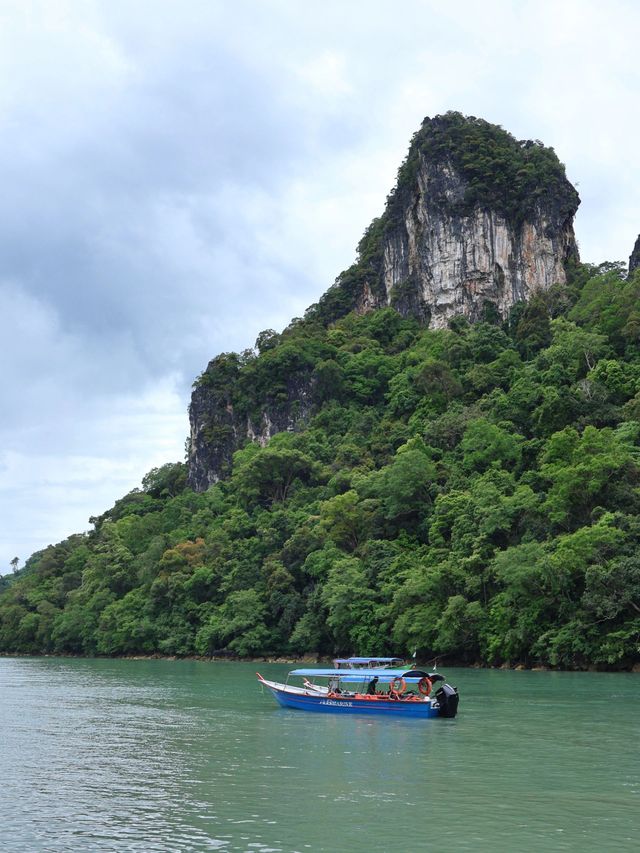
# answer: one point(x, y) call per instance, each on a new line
point(177, 177)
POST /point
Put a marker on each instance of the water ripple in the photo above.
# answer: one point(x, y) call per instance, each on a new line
point(185, 757)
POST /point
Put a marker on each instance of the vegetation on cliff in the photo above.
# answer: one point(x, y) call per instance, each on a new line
point(501, 173)
point(469, 492)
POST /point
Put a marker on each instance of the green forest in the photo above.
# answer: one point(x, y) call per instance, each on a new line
point(470, 493)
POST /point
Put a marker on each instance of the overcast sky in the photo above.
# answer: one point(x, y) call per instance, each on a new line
point(176, 177)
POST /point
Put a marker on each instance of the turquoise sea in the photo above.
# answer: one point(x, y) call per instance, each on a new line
point(127, 755)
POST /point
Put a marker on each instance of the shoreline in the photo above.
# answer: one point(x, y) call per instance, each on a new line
point(319, 661)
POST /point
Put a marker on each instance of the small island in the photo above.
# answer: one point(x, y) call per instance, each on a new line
point(442, 457)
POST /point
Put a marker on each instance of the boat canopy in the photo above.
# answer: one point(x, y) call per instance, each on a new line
point(368, 660)
point(384, 676)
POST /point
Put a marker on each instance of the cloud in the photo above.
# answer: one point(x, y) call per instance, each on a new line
point(75, 460)
point(175, 179)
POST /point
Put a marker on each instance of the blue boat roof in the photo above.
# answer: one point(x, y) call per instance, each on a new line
point(359, 675)
point(366, 660)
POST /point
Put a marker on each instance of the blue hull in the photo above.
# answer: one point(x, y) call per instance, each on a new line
point(379, 707)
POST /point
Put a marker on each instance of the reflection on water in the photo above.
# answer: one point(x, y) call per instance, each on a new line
point(188, 756)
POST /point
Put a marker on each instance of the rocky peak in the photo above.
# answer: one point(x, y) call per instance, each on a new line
point(476, 217)
point(634, 259)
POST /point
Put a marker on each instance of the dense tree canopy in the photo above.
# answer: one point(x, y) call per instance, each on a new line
point(469, 492)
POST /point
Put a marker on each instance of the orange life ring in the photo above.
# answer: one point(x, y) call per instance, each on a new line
point(401, 687)
point(424, 686)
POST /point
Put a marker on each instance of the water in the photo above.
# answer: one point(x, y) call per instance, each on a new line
point(102, 755)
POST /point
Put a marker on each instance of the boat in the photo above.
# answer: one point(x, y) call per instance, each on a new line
point(358, 691)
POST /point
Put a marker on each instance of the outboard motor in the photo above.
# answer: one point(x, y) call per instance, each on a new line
point(448, 699)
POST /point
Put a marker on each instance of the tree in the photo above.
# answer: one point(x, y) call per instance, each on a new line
point(533, 330)
point(609, 304)
point(166, 481)
point(573, 353)
point(14, 564)
point(349, 604)
point(346, 519)
point(266, 340)
point(237, 625)
point(436, 378)
point(125, 627)
point(458, 627)
point(613, 590)
point(486, 445)
point(270, 475)
point(406, 485)
point(328, 381)
point(584, 471)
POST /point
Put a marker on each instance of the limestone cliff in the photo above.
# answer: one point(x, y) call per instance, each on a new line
point(478, 220)
point(634, 259)
point(221, 421)
point(442, 264)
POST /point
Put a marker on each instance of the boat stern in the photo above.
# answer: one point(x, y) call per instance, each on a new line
point(447, 698)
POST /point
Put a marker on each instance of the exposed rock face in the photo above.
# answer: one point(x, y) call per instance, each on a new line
point(438, 263)
point(218, 429)
point(634, 260)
